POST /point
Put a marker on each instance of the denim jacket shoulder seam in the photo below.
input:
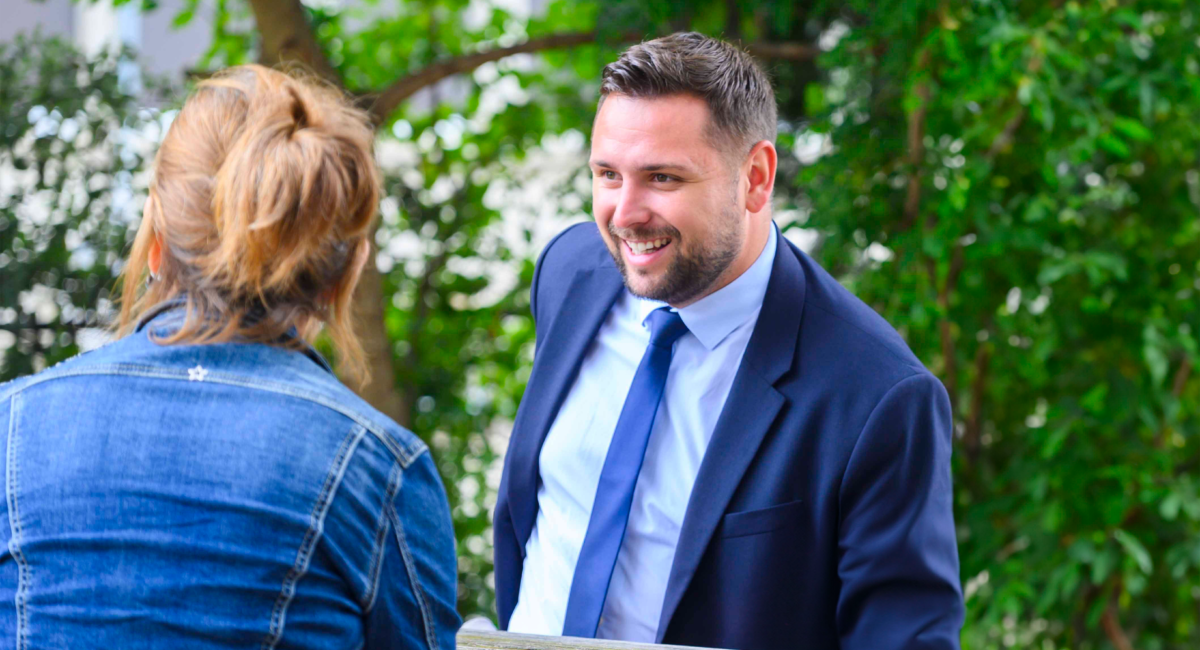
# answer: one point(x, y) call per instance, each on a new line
point(333, 480)
point(11, 488)
point(375, 567)
point(413, 579)
point(406, 454)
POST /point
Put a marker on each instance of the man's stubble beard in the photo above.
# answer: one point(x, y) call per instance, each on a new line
point(691, 273)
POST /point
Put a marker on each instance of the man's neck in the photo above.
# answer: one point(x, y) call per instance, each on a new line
point(756, 241)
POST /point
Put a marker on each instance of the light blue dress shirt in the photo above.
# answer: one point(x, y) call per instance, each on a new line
point(572, 456)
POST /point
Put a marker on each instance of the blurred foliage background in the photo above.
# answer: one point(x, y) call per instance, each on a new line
point(1014, 185)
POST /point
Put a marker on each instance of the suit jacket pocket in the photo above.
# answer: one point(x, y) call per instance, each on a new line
point(754, 522)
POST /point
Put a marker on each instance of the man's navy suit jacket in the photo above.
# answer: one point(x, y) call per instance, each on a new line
point(821, 514)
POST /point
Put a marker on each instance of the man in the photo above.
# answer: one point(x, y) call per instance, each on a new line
point(719, 445)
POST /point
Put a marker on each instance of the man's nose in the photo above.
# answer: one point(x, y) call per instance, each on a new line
point(630, 210)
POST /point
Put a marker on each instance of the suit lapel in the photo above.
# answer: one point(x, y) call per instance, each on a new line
point(749, 411)
point(589, 297)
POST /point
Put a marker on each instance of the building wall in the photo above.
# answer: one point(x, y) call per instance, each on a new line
point(55, 17)
point(163, 50)
point(169, 51)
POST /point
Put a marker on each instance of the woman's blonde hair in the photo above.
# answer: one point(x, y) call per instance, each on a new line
point(264, 192)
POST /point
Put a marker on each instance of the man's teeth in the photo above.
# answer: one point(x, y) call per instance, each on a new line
point(640, 247)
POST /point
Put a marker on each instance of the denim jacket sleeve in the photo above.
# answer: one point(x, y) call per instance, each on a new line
point(415, 605)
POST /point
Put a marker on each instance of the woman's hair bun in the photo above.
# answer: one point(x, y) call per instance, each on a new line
point(264, 195)
point(299, 179)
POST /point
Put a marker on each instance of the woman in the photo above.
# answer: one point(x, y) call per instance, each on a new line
point(206, 481)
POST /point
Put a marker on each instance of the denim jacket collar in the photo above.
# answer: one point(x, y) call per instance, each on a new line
point(168, 314)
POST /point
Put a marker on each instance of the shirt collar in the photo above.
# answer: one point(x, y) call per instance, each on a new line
point(715, 316)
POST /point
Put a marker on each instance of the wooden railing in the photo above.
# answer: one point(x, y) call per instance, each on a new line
point(476, 640)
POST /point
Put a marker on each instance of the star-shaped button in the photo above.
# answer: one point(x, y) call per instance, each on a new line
point(198, 373)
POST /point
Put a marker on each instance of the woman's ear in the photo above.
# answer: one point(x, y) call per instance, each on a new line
point(154, 255)
point(358, 261)
point(154, 259)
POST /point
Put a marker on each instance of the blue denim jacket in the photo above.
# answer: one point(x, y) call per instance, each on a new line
point(215, 496)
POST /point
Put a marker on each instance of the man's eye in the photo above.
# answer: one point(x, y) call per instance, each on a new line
point(661, 178)
point(609, 175)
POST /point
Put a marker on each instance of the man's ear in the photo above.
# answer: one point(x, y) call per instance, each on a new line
point(759, 169)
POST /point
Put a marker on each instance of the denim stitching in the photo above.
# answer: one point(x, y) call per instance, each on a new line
point(376, 565)
point(316, 528)
point(410, 566)
point(405, 454)
point(14, 519)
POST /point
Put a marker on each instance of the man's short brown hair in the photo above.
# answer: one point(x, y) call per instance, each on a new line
point(737, 91)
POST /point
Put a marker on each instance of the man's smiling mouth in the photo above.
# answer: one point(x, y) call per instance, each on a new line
point(648, 246)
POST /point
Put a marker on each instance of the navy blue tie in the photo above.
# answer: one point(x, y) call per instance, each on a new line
point(614, 495)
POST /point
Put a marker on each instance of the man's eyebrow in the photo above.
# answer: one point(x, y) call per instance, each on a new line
point(654, 167)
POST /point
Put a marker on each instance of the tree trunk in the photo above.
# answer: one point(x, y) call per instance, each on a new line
point(381, 389)
point(287, 37)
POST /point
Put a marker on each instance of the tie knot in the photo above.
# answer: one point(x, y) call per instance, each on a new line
point(666, 327)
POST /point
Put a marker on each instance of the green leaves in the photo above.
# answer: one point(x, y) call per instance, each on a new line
point(1047, 274)
point(1058, 141)
point(72, 137)
point(1134, 549)
point(1154, 354)
point(185, 14)
point(1098, 267)
point(1113, 145)
point(1132, 129)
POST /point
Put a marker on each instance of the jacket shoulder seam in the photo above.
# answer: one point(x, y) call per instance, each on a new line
point(375, 567)
point(316, 529)
point(882, 398)
point(406, 454)
point(537, 270)
point(11, 490)
point(413, 578)
point(874, 337)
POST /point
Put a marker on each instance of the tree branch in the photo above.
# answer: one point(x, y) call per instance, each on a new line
point(1181, 377)
point(785, 51)
point(912, 212)
point(1112, 625)
point(733, 20)
point(972, 438)
point(287, 37)
point(1178, 384)
point(944, 290)
point(403, 88)
point(916, 150)
point(20, 328)
point(956, 266)
point(1004, 139)
point(949, 353)
point(381, 104)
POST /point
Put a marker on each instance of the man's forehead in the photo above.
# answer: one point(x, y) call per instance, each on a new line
point(672, 115)
point(663, 131)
